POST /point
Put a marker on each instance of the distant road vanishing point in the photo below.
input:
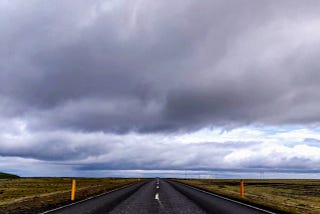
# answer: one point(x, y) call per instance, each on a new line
point(158, 196)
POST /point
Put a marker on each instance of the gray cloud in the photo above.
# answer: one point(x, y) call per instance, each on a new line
point(153, 67)
point(100, 151)
point(77, 78)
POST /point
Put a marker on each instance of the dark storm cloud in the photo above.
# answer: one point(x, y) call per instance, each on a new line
point(56, 146)
point(144, 66)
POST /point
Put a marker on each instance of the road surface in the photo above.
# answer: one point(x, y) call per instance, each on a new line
point(159, 196)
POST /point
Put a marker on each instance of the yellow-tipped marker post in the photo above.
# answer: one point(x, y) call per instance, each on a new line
point(242, 188)
point(73, 190)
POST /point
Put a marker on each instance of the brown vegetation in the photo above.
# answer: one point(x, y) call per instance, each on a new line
point(291, 196)
point(33, 195)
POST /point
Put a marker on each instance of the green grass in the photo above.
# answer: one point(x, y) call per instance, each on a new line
point(289, 196)
point(33, 195)
point(7, 176)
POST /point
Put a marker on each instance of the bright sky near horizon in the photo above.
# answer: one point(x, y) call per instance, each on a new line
point(212, 88)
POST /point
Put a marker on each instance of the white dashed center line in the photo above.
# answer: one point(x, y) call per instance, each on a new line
point(156, 196)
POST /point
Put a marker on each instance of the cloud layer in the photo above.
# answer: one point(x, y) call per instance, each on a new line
point(142, 66)
point(80, 77)
point(240, 150)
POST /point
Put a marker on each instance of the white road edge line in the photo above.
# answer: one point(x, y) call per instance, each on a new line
point(87, 199)
point(228, 199)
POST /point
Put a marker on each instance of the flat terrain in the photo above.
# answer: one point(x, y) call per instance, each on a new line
point(292, 196)
point(36, 194)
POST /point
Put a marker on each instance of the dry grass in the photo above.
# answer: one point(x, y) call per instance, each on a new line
point(291, 196)
point(32, 195)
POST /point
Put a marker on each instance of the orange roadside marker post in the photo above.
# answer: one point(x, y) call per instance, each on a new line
point(73, 190)
point(242, 188)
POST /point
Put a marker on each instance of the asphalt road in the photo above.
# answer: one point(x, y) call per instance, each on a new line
point(159, 196)
point(216, 204)
point(98, 205)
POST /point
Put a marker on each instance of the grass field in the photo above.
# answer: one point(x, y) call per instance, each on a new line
point(32, 195)
point(289, 196)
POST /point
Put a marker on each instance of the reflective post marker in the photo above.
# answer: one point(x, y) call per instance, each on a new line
point(73, 190)
point(242, 188)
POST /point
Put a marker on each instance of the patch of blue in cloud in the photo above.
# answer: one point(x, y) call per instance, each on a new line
point(271, 130)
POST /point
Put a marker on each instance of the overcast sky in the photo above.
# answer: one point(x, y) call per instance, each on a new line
point(122, 87)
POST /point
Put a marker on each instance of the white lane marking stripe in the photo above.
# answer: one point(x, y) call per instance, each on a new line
point(228, 199)
point(156, 196)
